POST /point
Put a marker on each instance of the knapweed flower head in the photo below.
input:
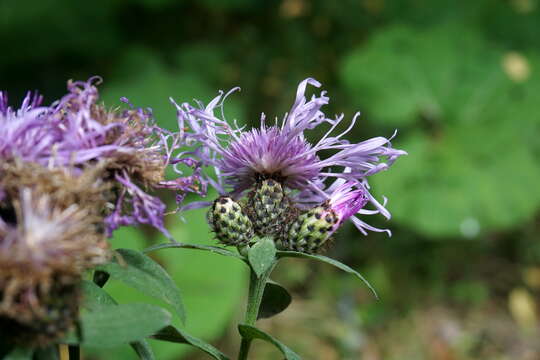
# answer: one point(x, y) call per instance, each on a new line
point(130, 149)
point(70, 174)
point(245, 159)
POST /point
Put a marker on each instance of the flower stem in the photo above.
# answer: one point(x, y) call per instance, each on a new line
point(255, 294)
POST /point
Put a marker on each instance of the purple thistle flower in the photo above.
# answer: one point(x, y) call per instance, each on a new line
point(76, 132)
point(281, 151)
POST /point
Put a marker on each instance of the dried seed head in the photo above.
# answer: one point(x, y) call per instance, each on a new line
point(44, 250)
point(227, 220)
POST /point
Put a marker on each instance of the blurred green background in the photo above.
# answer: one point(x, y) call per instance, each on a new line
point(460, 278)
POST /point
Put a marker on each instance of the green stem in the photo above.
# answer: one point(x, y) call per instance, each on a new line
point(255, 294)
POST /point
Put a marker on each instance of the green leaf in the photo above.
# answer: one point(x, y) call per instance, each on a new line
point(120, 324)
point(339, 265)
point(213, 249)
point(143, 349)
point(144, 274)
point(210, 297)
point(172, 334)
point(251, 333)
point(95, 297)
point(262, 255)
point(275, 299)
point(20, 354)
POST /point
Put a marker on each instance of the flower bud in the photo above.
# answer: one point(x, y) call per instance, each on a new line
point(310, 230)
point(231, 225)
point(268, 206)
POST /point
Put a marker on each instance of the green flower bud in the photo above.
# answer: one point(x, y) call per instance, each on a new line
point(268, 206)
point(231, 225)
point(310, 230)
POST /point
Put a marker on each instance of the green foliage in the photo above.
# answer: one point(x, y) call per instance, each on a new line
point(143, 350)
point(147, 82)
point(213, 249)
point(275, 299)
point(172, 334)
point(446, 87)
point(436, 71)
point(210, 297)
point(251, 333)
point(20, 354)
point(144, 274)
point(116, 325)
point(324, 259)
point(262, 255)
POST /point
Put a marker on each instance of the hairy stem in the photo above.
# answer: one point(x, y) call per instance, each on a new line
point(256, 291)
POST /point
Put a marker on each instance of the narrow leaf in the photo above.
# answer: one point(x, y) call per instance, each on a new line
point(120, 324)
point(275, 299)
point(172, 334)
point(339, 265)
point(143, 349)
point(262, 255)
point(213, 249)
point(250, 332)
point(144, 274)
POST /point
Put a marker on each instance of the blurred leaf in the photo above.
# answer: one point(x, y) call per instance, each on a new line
point(20, 354)
point(147, 82)
point(212, 286)
point(462, 103)
point(144, 274)
point(251, 333)
point(172, 334)
point(95, 298)
point(275, 300)
point(143, 350)
point(261, 255)
point(430, 73)
point(341, 266)
point(57, 20)
point(212, 249)
point(204, 59)
point(121, 324)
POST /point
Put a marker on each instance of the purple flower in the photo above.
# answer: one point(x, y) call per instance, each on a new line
point(281, 152)
point(76, 132)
